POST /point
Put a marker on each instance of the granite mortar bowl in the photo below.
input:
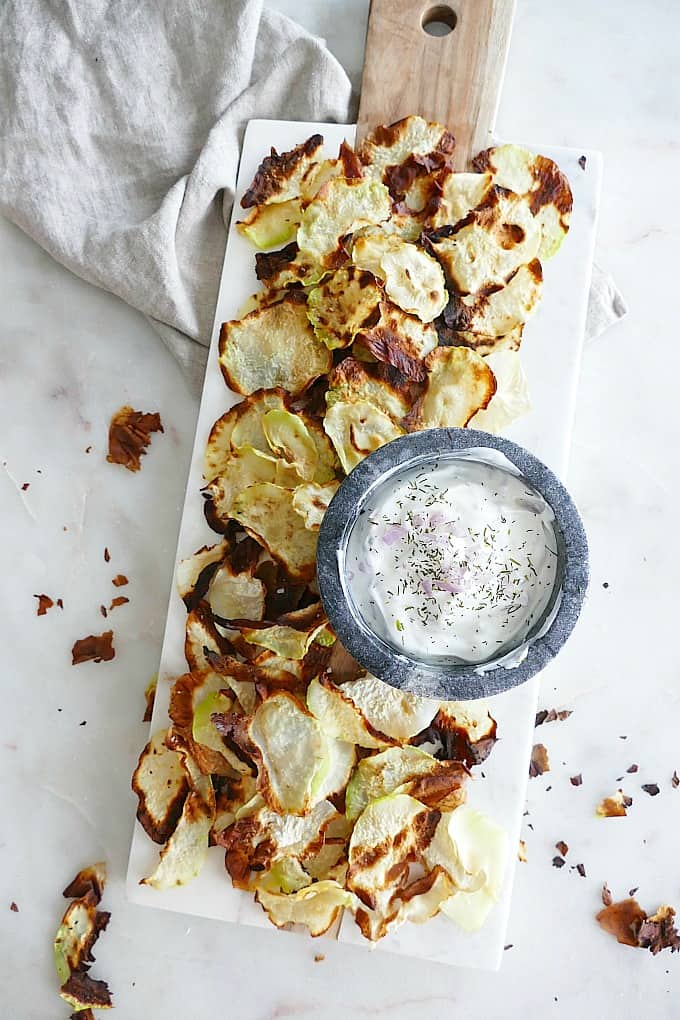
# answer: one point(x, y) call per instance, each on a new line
point(447, 681)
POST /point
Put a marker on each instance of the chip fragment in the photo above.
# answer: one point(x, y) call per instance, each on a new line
point(279, 176)
point(130, 435)
point(274, 346)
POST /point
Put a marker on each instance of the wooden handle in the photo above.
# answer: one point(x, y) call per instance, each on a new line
point(455, 78)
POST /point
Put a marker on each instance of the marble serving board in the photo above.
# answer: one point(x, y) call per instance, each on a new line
point(551, 354)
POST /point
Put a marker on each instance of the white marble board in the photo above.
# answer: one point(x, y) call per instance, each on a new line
point(551, 353)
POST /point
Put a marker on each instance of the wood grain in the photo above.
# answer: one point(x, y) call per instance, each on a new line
point(455, 79)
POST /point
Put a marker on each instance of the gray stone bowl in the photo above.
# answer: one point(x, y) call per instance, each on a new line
point(452, 682)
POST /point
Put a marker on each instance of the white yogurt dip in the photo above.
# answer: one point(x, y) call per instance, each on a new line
point(454, 560)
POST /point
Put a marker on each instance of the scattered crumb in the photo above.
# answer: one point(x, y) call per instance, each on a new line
point(581, 868)
point(551, 715)
point(83, 723)
point(509, 946)
point(562, 847)
point(103, 611)
point(107, 555)
point(94, 647)
point(130, 435)
point(614, 807)
point(88, 449)
point(624, 737)
point(25, 486)
point(576, 780)
point(623, 920)
point(522, 852)
point(558, 862)
point(319, 958)
point(44, 603)
point(605, 584)
point(675, 780)
point(631, 926)
point(13, 907)
point(651, 788)
point(607, 897)
point(120, 600)
point(582, 162)
point(631, 892)
point(632, 768)
point(119, 580)
point(60, 603)
point(540, 762)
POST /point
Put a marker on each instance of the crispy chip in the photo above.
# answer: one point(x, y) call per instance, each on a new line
point(301, 444)
point(82, 992)
point(193, 572)
point(201, 634)
point(241, 427)
point(499, 313)
point(289, 268)
point(463, 731)
point(161, 784)
point(400, 340)
point(405, 770)
point(279, 176)
point(460, 194)
point(396, 713)
point(387, 146)
point(541, 182)
point(483, 345)
point(268, 226)
point(459, 384)
point(341, 207)
point(266, 512)
point(413, 279)
point(311, 501)
point(316, 907)
point(80, 928)
point(351, 381)
point(245, 468)
point(488, 246)
point(356, 429)
point(236, 596)
point(183, 856)
point(274, 346)
point(511, 399)
point(285, 641)
point(340, 717)
point(344, 304)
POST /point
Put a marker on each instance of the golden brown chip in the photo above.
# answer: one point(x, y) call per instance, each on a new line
point(426, 143)
point(161, 784)
point(248, 430)
point(357, 429)
point(193, 572)
point(290, 268)
point(130, 435)
point(341, 207)
point(343, 305)
point(274, 346)
point(541, 182)
point(201, 634)
point(500, 312)
point(458, 195)
point(267, 513)
point(279, 176)
point(459, 384)
point(353, 381)
point(413, 279)
point(236, 595)
point(311, 501)
point(244, 468)
point(400, 340)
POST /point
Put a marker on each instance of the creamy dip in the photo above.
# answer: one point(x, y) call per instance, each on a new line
point(455, 560)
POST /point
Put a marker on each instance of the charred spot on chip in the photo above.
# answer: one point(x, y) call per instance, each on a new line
point(129, 436)
point(539, 762)
point(93, 648)
point(277, 173)
point(465, 731)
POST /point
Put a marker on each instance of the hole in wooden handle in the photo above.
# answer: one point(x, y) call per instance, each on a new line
point(439, 20)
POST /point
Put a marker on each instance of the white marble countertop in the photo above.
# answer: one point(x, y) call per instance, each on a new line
point(578, 74)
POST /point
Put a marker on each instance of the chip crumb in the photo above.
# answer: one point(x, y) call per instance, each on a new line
point(25, 486)
point(83, 1014)
point(562, 847)
point(120, 600)
point(13, 907)
point(581, 868)
point(509, 946)
point(651, 788)
point(582, 162)
point(614, 807)
point(120, 580)
point(319, 958)
point(605, 584)
point(522, 852)
point(675, 780)
point(607, 897)
point(551, 715)
point(88, 449)
point(632, 768)
point(576, 780)
point(558, 862)
point(540, 762)
point(130, 435)
point(93, 648)
point(658, 932)
point(60, 603)
point(44, 603)
point(107, 554)
point(103, 610)
point(83, 723)
point(631, 892)
point(622, 920)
